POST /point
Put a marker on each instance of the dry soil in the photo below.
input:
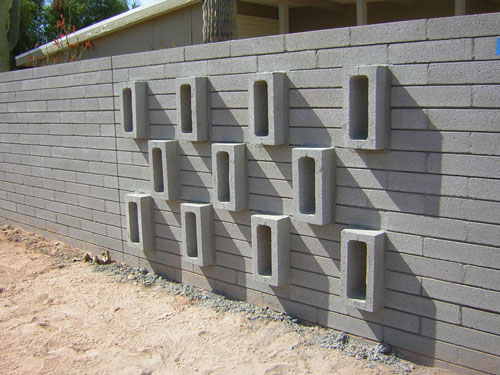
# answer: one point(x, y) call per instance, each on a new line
point(59, 316)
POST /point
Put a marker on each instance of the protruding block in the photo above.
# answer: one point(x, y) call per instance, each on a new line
point(366, 107)
point(164, 169)
point(192, 109)
point(362, 268)
point(197, 234)
point(140, 233)
point(134, 109)
point(270, 249)
point(268, 109)
point(229, 176)
point(313, 185)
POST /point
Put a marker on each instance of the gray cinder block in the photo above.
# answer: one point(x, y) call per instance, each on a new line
point(366, 107)
point(192, 102)
point(140, 232)
point(229, 176)
point(362, 268)
point(270, 249)
point(164, 169)
point(313, 184)
point(268, 109)
point(197, 233)
point(134, 109)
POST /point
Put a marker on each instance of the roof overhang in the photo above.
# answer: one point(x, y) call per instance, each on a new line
point(105, 27)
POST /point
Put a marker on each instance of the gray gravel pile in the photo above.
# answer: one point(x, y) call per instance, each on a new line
point(314, 336)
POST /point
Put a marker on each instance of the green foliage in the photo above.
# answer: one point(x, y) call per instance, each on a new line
point(80, 13)
point(30, 25)
point(39, 18)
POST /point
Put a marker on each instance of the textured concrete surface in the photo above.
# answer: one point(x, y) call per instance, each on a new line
point(192, 109)
point(164, 169)
point(134, 109)
point(268, 109)
point(313, 184)
point(229, 175)
point(66, 168)
point(197, 233)
point(140, 234)
point(366, 107)
point(362, 268)
point(270, 249)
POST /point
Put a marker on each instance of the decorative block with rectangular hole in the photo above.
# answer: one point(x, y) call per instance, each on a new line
point(270, 249)
point(140, 233)
point(229, 176)
point(362, 268)
point(312, 174)
point(192, 109)
point(134, 109)
point(197, 230)
point(366, 107)
point(164, 169)
point(268, 109)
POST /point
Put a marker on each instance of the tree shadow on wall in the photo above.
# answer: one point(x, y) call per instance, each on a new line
point(400, 191)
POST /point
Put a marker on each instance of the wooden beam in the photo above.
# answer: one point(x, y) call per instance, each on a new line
point(322, 4)
point(362, 12)
point(284, 17)
point(403, 3)
point(459, 7)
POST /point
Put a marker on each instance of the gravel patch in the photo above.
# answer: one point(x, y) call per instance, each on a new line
point(63, 254)
point(314, 336)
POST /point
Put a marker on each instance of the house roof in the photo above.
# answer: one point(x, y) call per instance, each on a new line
point(107, 26)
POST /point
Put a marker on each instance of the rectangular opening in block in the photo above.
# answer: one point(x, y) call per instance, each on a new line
point(261, 109)
point(223, 191)
point(307, 186)
point(127, 110)
point(191, 235)
point(133, 222)
point(356, 270)
point(358, 128)
point(158, 170)
point(264, 245)
point(186, 110)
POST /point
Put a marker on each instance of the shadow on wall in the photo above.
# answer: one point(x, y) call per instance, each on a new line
point(400, 192)
point(374, 190)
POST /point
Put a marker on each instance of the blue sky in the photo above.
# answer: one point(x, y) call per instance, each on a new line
point(148, 2)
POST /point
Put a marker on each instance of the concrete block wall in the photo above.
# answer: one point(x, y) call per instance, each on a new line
point(434, 190)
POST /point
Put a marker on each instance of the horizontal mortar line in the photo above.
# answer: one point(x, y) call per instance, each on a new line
point(46, 78)
point(493, 268)
point(435, 278)
point(315, 127)
point(423, 257)
point(386, 210)
point(426, 194)
point(58, 201)
point(491, 353)
point(76, 217)
point(443, 153)
point(316, 273)
point(317, 107)
point(475, 329)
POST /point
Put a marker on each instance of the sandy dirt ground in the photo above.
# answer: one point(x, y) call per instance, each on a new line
point(62, 317)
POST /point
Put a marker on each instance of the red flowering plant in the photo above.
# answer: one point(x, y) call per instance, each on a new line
point(69, 49)
point(73, 50)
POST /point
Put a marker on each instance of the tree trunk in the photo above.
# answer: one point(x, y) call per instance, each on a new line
point(219, 20)
point(9, 30)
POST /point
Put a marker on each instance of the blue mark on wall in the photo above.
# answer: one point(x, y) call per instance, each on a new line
point(498, 46)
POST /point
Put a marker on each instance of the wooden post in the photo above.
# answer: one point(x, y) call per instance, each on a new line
point(284, 18)
point(459, 7)
point(362, 12)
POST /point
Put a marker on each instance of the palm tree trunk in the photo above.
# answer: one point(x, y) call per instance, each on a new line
point(9, 30)
point(219, 20)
